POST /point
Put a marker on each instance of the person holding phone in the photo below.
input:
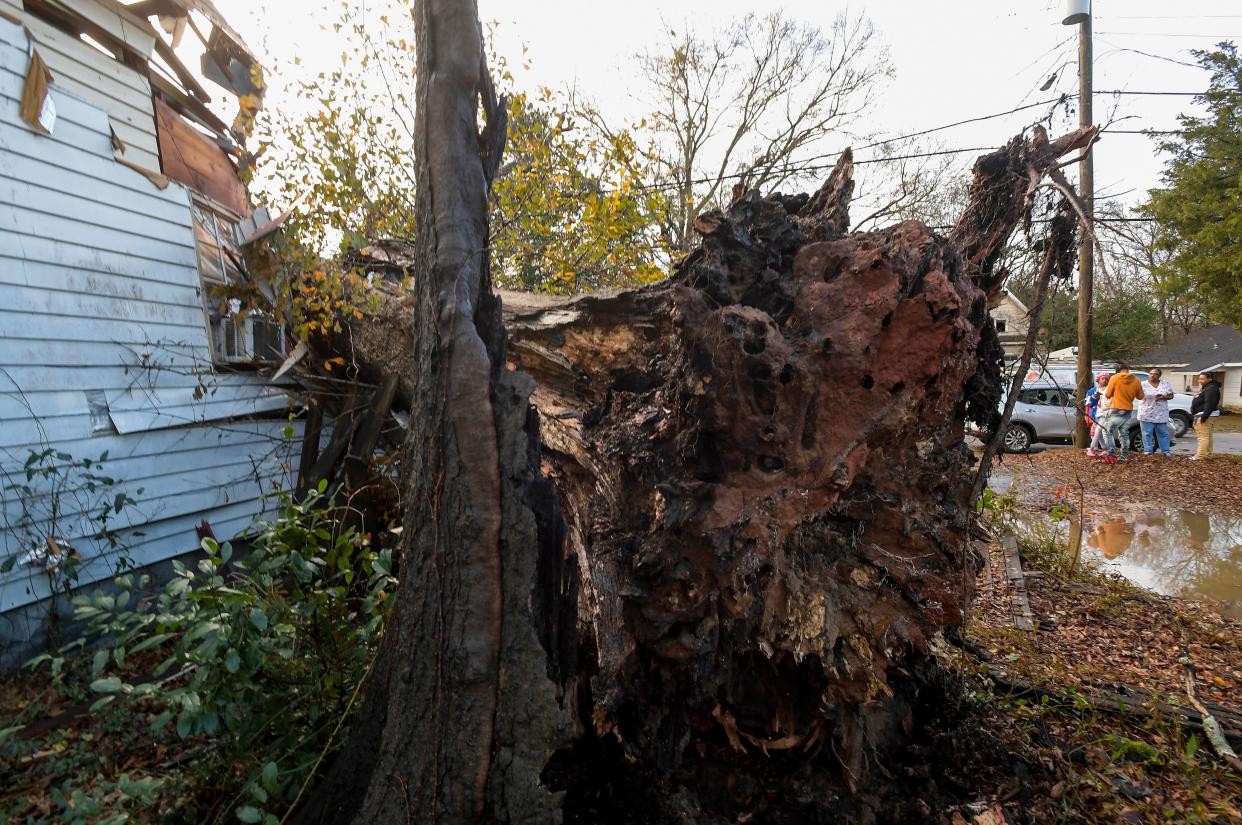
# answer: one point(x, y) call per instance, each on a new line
point(1153, 412)
point(1123, 391)
point(1203, 411)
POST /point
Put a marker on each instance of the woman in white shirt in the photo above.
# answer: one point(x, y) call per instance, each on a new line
point(1153, 412)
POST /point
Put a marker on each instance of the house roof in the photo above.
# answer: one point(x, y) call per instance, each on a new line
point(1005, 293)
point(1200, 350)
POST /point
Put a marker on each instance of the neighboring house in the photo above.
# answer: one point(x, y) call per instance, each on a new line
point(1012, 320)
point(1217, 350)
point(120, 205)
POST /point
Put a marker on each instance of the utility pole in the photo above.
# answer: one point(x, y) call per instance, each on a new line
point(1079, 11)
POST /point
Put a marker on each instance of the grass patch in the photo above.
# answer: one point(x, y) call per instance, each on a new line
point(1230, 422)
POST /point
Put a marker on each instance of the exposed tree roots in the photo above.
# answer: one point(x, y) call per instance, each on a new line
point(754, 500)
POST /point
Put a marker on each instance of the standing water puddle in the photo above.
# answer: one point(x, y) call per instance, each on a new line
point(1174, 552)
point(1170, 551)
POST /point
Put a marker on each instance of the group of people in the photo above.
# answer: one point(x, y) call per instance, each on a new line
point(1118, 396)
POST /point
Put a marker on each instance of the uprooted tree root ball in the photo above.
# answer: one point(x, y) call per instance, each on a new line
point(736, 454)
point(755, 499)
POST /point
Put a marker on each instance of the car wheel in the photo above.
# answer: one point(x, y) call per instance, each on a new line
point(1179, 423)
point(1017, 439)
point(1136, 440)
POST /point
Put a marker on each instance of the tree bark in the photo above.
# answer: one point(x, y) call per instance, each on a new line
point(459, 716)
point(722, 545)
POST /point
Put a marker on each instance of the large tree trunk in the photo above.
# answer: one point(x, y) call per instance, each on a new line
point(714, 595)
point(459, 716)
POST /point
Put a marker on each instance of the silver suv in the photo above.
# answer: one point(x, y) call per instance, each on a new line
point(1062, 376)
point(1045, 412)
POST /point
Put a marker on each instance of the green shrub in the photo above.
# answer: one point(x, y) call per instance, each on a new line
point(262, 655)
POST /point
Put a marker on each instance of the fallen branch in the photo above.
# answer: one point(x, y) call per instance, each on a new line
point(1211, 728)
point(1060, 238)
point(1143, 703)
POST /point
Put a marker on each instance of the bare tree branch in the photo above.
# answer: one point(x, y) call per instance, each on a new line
point(743, 103)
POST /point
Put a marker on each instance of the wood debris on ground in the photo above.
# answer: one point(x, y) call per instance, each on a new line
point(1102, 633)
point(1098, 693)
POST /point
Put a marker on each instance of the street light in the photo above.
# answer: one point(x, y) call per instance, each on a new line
point(1076, 11)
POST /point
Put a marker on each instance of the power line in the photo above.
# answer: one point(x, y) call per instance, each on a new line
point(1096, 219)
point(1048, 102)
point(1170, 34)
point(1172, 17)
point(980, 118)
point(1043, 55)
point(809, 165)
point(1130, 92)
point(1149, 54)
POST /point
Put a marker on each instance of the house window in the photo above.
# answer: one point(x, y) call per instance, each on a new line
point(1002, 325)
point(215, 235)
point(236, 337)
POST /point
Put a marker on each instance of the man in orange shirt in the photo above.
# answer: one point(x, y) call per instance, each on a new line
point(1123, 390)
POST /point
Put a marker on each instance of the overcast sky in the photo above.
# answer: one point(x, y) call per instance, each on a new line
point(953, 60)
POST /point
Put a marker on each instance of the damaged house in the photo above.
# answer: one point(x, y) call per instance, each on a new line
point(137, 412)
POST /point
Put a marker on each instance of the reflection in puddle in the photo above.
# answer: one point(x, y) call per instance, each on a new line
point(1177, 552)
point(1170, 551)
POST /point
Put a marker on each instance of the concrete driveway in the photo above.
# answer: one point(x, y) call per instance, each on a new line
point(1225, 443)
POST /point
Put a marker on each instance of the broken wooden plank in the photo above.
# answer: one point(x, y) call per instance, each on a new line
point(1021, 603)
point(191, 158)
point(342, 434)
point(310, 444)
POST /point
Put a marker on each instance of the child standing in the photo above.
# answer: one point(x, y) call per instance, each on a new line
point(1097, 405)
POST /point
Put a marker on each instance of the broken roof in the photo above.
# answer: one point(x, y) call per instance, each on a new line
point(181, 8)
point(1199, 350)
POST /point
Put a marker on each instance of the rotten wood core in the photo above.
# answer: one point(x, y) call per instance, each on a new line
point(762, 494)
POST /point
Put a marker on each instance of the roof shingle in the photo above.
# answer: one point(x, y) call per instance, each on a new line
point(1201, 349)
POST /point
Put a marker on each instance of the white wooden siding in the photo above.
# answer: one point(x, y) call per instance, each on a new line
point(103, 348)
point(113, 18)
point(1231, 387)
point(89, 74)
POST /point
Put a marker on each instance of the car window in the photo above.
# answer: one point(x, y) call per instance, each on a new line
point(1042, 396)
